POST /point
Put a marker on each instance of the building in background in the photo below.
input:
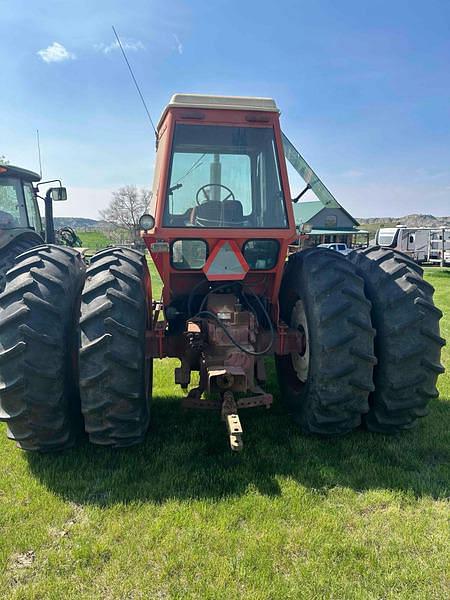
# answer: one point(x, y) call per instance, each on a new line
point(319, 224)
point(324, 220)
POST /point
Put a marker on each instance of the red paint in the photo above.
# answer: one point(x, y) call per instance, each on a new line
point(177, 282)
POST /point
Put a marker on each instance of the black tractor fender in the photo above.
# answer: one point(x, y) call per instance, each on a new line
point(8, 236)
point(12, 243)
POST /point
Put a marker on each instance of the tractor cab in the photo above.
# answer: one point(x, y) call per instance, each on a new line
point(18, 205)
point(221, 203)
point(19, 210)
point(21, 225)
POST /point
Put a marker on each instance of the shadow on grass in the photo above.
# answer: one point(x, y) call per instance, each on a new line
point(186, 456)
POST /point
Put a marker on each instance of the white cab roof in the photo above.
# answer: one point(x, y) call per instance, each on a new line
point(221, 102)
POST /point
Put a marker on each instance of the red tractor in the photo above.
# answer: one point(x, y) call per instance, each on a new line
point(354, 338)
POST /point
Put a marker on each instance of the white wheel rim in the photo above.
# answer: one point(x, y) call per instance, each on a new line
point(300, 361)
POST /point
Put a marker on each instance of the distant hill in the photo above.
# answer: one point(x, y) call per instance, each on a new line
point(80, 223)
point(415, 220)
point(370, 223)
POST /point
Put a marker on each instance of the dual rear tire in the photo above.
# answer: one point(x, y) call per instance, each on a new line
point(327, 385)
point(115, 377)
point(39, 349)
point(72, 348)
point(407, 345)
point(347, 375)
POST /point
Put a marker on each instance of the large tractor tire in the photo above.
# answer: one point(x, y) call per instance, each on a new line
point(327, 383)
point(12, 250)
point(115, 378)
point(407, 344)
point(38, 348)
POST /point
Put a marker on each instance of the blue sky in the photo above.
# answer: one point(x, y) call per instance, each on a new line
point(364, 89)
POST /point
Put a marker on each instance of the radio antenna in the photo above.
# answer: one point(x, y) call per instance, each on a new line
point(39, 152)
point(134, 80)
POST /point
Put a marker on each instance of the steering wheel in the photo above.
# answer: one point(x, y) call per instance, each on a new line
point(208, 197)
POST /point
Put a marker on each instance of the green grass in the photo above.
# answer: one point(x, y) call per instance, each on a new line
point(156, 279)
point(94, 240)
point(181, 517)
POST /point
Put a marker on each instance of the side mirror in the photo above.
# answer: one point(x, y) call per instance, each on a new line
point(58, 194)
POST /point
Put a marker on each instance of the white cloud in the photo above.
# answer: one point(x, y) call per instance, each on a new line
point(128, 44)
point(55, 53)
point(179, 45)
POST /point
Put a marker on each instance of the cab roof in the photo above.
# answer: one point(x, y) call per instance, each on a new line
point(220, 102)
point(12, 171)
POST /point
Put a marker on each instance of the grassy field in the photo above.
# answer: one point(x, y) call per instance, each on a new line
point(363, 516)
point(94, 240)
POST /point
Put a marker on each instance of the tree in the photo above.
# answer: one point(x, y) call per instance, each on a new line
point(127, 205)
point(3, 160)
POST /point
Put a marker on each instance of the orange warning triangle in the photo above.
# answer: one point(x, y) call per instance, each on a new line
point(225, 262)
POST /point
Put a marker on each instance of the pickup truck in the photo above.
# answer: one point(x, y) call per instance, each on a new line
point(337, 247)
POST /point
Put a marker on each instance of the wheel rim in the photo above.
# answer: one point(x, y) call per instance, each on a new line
point(300, 360)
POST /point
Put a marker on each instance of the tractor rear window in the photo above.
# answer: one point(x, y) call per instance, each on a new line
point(189, 254)
point(224, 176)
point(10, 194)
point(261, 254)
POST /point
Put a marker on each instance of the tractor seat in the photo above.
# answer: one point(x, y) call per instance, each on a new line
point(227, 214)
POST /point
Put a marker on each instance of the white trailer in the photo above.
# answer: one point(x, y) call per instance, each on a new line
point(439, 244)
point(422, 244)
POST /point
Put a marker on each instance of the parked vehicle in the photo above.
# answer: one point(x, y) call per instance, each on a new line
point(422, 244)
point(337, 247)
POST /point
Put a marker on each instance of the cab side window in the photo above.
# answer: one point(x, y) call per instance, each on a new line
point(10, 209)
point(34, 218)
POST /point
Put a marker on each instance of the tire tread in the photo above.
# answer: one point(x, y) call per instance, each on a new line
point(341, 343)
point(37, 314)
point(407, 324)
point(112, 349)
